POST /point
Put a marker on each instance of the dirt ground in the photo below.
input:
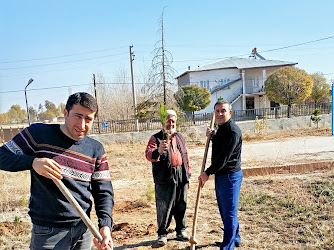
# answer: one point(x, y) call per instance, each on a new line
point(134, 210)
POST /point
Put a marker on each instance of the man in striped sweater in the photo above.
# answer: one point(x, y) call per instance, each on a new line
point(63, 152)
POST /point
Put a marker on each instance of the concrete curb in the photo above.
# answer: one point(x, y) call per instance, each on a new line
point(288, 169)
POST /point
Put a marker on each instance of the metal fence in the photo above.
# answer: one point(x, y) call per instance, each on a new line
point(281, 112)
point(120, 126)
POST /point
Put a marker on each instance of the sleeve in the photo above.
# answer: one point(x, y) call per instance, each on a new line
point(186, 151)
point(228, 147)
point(13, 155)
point(151, 152)
point(103, 193)
point(189, 166)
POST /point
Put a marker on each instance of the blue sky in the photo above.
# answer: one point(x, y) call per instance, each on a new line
point(61, 44)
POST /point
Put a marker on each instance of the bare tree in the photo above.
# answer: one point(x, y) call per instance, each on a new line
point(161, 74)
point(115, 98)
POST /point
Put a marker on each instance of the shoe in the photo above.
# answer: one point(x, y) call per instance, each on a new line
point(237, 244)
point(182, 236)
point(162, 240)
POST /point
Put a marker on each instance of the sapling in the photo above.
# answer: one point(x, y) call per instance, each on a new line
point(163, 119)
point(315, 117)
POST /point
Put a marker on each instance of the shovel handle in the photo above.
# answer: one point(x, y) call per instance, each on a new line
point(81, 212)
point(193, 240)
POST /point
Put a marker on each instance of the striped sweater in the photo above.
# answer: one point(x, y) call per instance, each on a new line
point(85, 173)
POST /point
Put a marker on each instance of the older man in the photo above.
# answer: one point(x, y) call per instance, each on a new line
point(171, 174)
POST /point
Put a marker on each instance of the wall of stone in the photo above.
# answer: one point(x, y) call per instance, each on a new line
point(197, 134)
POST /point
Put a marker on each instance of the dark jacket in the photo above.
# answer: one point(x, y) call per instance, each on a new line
point(161, 164)
point(226, 149)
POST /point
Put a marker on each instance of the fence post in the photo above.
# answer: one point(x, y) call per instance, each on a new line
point(3, 135)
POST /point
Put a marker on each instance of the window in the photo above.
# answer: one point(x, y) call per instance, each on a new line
point(205, 84)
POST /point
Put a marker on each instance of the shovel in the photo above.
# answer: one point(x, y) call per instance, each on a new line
point(81, 212)
point(193, 239)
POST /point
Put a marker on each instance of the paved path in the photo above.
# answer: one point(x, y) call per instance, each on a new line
point(288, 151)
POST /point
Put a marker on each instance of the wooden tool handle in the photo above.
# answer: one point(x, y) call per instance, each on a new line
point(81, 212)
point(193, 238)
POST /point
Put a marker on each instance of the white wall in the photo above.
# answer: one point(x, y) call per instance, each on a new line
point(213, 76)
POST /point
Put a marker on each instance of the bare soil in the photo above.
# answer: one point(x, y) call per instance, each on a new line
point(275, 212)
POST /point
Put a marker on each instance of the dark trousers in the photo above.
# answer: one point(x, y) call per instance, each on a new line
point(171, 200)
point(227, 192)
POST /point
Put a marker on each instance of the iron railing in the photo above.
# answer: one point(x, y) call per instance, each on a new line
point(121, 126)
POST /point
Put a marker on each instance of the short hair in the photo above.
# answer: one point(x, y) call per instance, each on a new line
point(84, 99)
point(223, 102)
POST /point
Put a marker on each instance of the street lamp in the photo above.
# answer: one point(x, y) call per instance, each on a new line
point(25, 93)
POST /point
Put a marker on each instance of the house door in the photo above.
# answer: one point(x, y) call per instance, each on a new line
point(250, 108)
point(249, 102)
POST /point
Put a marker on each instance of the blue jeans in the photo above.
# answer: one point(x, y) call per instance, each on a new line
point(78, 238)
point(227, 192)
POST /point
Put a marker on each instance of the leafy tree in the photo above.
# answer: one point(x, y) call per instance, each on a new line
point(320, 87)
point(61, 108)
point(32, 114)
point(40, 108)
point(288, 85)
point(191, 98)
point(16, 114)
point(47, 115)
point(51, 107)
point(145, 110)
point(4, 118)
point(50, 113)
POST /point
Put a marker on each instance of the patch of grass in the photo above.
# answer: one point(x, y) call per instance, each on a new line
point(323, 190)
point(150, 192)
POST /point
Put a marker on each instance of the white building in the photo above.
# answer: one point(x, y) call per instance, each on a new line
point(237, 80)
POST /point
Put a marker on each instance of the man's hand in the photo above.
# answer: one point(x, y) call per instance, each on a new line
point(107, 240)
point(163, 146)
point(210, 132)
point(47, 168)
point(203, 178)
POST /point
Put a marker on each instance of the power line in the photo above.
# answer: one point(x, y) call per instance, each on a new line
point(53, 57)
point(202, 59)
point(48, 64)
point(58, 87)
point(318, 40)
point(68, 86)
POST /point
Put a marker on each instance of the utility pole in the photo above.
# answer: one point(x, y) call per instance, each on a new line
point(332, 107)
point(133, 89)
point(97, 115)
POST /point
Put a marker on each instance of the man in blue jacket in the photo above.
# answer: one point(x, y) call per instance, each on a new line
point(56, 152)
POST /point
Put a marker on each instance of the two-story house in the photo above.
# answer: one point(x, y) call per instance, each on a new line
point(237, 80)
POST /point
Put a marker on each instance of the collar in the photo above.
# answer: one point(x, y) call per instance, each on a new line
point(225, 124)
